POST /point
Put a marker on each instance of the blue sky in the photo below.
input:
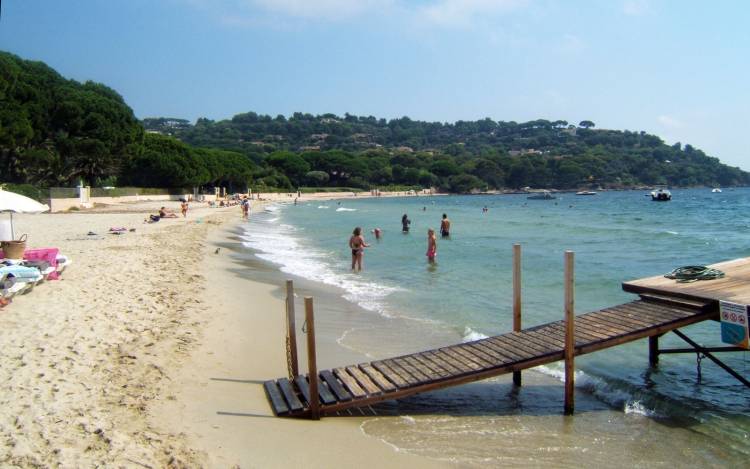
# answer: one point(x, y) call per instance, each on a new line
point(678, 69)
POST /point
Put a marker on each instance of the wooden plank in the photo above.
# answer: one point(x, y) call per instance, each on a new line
point(349, 382)
point(544, 341)
point(325, 394)
point(425, 368)
point(437, 368)
point(625, 320)
point(670, 300)
point(277, 400)
point(655, 312)
point(460, 359)
point(364, 381)
point(403, 372)
point(412, 370)
point(524, 338)
point(489, 360)
point(446, 362)
point(341, 393)
point(392, 376)
point(513, 342)
point(304, 387)
point(498, 357)
point(594, 329)
point(656, 309)
point(627, 316)
point(461, 353)
point(599, 324)
point(290, 396)
point(513, 353)
point(377, 377)
point(583, 337)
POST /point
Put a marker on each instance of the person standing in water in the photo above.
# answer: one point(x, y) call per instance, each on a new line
point(405, 222)
point(431, 246)
point(357, 244)
point(445, 227)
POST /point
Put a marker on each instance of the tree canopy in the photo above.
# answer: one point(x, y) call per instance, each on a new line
point(55, 131)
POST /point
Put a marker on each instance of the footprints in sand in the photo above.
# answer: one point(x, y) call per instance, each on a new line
point(83, 359)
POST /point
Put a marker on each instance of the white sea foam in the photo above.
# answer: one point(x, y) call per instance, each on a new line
point(276, 243)
point(637, 407)
point(471, 335)
point(344, 209)
point(673, 232)
point(271, 208)
point(601, 389)
point(323, 206)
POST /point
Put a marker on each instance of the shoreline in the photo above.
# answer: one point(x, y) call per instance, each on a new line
point(219, 401)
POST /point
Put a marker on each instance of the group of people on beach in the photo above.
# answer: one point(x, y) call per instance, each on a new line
point(357, 241)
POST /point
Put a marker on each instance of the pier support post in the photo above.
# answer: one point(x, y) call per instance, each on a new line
point(517, 300)
point(653, 350)
point(291, 332)
point(569, 332)
point(312, 365)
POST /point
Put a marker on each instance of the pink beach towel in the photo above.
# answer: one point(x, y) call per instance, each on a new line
point(44, 254)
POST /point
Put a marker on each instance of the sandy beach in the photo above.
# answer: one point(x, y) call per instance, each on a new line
point(151, 352)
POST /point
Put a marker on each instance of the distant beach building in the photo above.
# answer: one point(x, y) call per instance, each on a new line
point(404, 149)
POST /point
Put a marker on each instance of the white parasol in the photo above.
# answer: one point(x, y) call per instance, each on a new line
point(17, 203)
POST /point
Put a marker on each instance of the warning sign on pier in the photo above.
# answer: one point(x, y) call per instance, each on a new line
point(734, 324)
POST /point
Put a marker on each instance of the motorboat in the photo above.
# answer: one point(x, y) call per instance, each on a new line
point(715, 190)
point(661, 195)
point(586, 193)
point(544, 195)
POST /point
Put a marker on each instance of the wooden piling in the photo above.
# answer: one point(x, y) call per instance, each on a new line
point(569, 332)
point(517, 300)
point(312, 366)
point(291, 330)
point(653, 350)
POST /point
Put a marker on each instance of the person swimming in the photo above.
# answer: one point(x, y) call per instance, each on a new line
point(377, 232)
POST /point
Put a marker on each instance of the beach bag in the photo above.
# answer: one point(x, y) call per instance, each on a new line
point(14, 249)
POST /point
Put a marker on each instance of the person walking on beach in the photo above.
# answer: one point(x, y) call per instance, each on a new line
point(184, 208)
point(405, 222)
point(445, 227)
point(357, 244)
point(431, 246)
point(245, 207)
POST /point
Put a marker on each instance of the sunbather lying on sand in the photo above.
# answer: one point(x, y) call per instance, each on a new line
point(164, 213)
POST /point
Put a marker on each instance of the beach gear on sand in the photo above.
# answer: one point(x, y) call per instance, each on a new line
point(48, 255)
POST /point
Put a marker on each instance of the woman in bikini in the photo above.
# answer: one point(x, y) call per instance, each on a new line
point(431, 246)
point(357, 244)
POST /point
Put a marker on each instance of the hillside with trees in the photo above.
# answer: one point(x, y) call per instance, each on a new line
point(57, 132)
point(365, 151)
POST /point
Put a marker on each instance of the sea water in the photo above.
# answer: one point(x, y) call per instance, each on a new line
point(627, 413)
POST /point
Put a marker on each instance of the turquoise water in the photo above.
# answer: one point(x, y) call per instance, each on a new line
point(616, 236)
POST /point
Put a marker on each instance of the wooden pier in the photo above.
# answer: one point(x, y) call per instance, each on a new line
point(663, 307)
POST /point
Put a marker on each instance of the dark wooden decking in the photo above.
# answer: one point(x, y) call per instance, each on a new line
point(393, 378)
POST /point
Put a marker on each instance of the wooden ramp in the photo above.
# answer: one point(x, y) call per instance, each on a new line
point(368, 383)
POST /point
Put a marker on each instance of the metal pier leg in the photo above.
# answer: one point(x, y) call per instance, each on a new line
point(653, 350)
point(711, 357)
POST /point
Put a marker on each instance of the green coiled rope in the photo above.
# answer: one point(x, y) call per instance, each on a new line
point(693, 273)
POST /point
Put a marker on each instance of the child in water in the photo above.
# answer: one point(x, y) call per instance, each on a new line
point(431, 246)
